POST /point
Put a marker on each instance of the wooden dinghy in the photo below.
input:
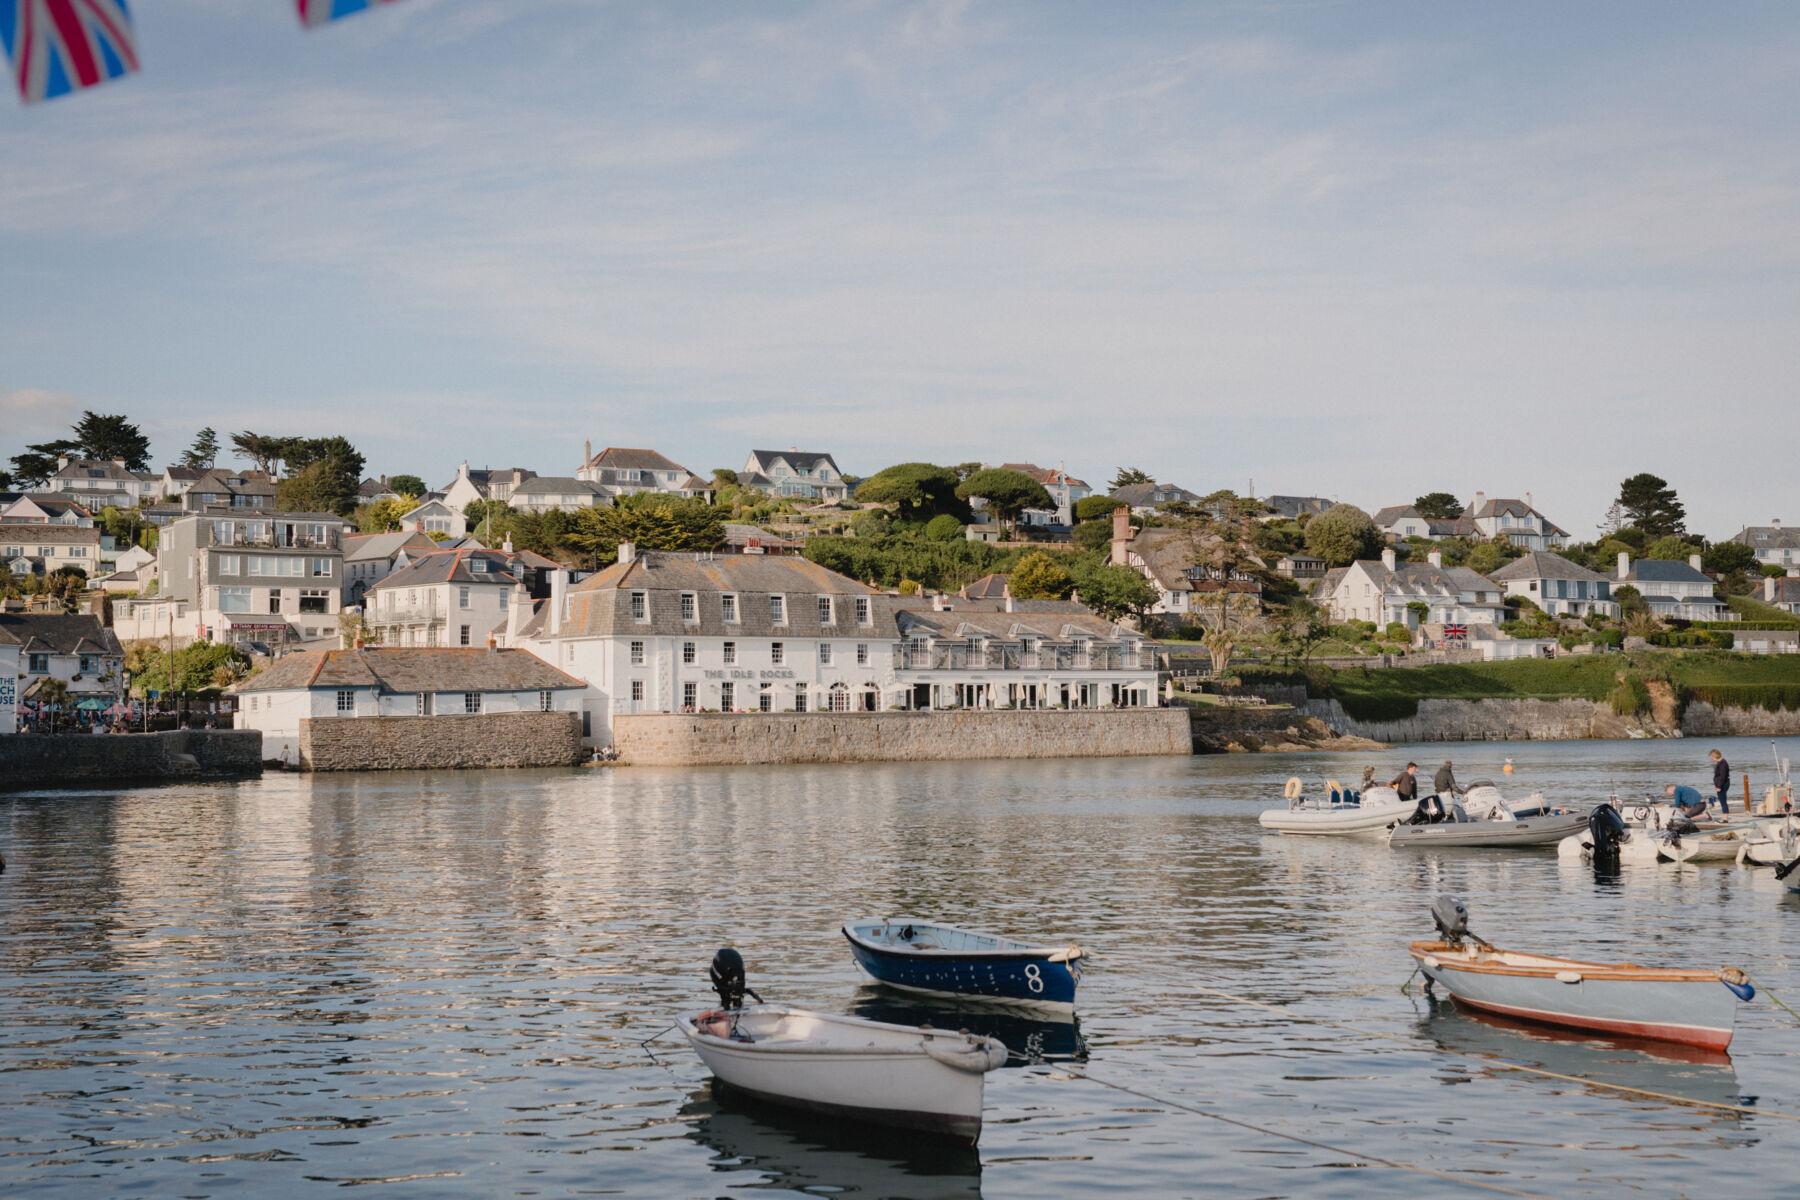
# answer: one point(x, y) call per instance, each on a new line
point(1695, 1007)
point(942, 960)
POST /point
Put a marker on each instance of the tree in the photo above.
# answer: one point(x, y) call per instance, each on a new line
point(1090, 508)
point(1669, 549)
point(1342, 534)
point(264, 452)
point(1650, 504)
point(1438, 506)
point(1092, 535)
point(408, 485)
point(1490, 556)
point(34, 467)
point(965, 469)
point(1039, 577)
point(382, 515)
point(724, 475)
point(486, 519)
point(1008, 493)
point(1729, 558)
point(112, 436)
point(918, 491)
point(324, 475)
point(65, 585)
point(205, 450)
point(1128, 476)
point(944, 528)
point(649, 522)
point(1299, 632)
point(1116, 592)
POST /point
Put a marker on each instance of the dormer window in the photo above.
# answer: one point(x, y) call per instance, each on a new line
point(478, 566)
point(778, 610)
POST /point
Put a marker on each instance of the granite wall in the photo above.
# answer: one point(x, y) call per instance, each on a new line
point(1549, 720)
point(450, 742)
point(725, 739)
point(37, 760)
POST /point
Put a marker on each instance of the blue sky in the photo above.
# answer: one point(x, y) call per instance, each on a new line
point(1355, 250)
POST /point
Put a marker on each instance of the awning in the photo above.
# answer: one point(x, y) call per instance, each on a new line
point(91, 703)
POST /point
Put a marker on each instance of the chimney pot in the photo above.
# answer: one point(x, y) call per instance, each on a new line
point(1435, 558)
point(1387, 557)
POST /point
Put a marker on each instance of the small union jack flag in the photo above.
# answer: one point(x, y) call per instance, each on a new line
point(318, 12)
point(62, 46)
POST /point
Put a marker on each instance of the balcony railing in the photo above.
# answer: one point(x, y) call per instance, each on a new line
point(1014, 658)
point(409, 614)
point(273, 541)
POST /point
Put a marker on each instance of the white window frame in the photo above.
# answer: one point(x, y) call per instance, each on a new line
point(637, 654)
point(690, 607)
point(864, 611)
point(728, 604)
point(730, 652)
point(689, 652)
point(826, 611)
point(640, 607)
point(346, 702)
point(777, 654)
point(777, 609)
point(824, 654)
point(471, 703)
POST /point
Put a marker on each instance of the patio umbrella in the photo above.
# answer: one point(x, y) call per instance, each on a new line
point(118, 710)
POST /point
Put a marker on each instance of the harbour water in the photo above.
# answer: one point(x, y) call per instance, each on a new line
point(441, 984)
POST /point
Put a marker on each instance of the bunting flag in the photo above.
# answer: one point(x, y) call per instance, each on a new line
point(314, 13)
point(62, 46)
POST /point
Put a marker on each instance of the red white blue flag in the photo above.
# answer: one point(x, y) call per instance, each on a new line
point(62, 46)
point(319, 12)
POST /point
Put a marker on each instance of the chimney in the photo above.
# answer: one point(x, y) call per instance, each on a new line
point(587, 453)
point(1480, 500)
point(627, 553)
point(1769, 589)
point(462, 472)
point(1435, 558)
point(1694, 561)
point(1775, 524)
point(1387, 557)
point(1121, 534)
point(518, 613)
point(506, 546)
point(493, 646)
point(1624, 563)
point(1528, 503)
point(559, 583)
point(358, 643)
point(119, 463)
point(419, 526)
point(62, 460)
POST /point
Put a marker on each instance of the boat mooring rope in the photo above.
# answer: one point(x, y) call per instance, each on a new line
point(1490, 1061)
point(1773, 999)
point(1291, 1137)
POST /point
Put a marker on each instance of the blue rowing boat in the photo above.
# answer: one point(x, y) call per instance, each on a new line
point(942, 960)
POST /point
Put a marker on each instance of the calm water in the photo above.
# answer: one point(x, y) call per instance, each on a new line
point(438, 984)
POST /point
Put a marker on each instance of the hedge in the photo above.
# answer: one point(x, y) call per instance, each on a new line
point(1774, 697)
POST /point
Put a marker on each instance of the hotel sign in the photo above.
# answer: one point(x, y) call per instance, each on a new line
point(746, 674)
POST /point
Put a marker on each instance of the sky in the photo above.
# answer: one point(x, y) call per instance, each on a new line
point(1357, 250)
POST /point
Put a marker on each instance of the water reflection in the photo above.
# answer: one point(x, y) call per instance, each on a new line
point(810, 1153)
point(1690, 1072)
point(1032, 1036)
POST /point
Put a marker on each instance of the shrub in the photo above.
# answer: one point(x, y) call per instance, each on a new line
point(1631, 697)
point(1398, 632)
point(944, 528)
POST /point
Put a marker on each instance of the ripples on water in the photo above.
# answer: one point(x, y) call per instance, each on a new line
point(438, 983)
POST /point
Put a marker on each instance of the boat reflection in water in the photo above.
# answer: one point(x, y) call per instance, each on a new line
point(1668, 1068)
point(800, 1151)
point(1033, 1035)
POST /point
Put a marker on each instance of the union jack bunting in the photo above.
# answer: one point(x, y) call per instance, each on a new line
point(62, 46)
point(317, 12)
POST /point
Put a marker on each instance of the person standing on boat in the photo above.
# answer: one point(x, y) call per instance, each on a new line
point(1688, 801)
point(1721, 779)
point(1444, 783)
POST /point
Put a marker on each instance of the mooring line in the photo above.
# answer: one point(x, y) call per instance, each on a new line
point(1490, 1061)
point(1317, 1145)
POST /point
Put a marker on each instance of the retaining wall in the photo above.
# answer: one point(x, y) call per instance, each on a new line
point(39, 760)
point(722, 739)
point(1548, 720)
point(451, 742)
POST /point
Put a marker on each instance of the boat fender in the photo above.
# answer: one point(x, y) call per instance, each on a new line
point(1568, 977)
point(1294, 788)
point(1333, 787)
point(1072, 953)
point(1737, 982)
point(968, 1054)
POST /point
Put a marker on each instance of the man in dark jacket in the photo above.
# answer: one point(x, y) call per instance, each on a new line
point(1444, 784)
point(1721, 779)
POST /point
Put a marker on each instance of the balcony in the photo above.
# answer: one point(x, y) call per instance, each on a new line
point(280, 539)
point(423, 613)
point(1016, 658)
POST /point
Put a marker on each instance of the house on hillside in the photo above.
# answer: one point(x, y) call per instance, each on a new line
point(45, 508)
point(1558, 586)
point(97, 482)
point(1166, 557)
point(241, 490)
point(1775, 545)
point(1783, 592)
point(1401, 521)
point(1678, 590)
point(370, 557)
point(177, 479)
point(386, 681)
point(251, 576)
point(436, 516)
point(41, 549)
point(449, 597)
point(484, 484)
point(623, 472)
point(1293, 507)
point(1065, 491)
point(1382, 591)
point(557, 493)
point(1146, 498)
point(794, 474)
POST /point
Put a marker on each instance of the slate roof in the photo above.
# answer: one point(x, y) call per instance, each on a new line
point(1769, 537)
point(1140, 494)
point(800, 460)
point(558, 485)
point(98, 468)
point(184, 474)
point(1513, 508)
point(452, 566)
point(366, 547)
point(74, 535)
point(1393, 512)
point(1424, 580)
point(988, 587)
point(1005, 626)
point(1541, 564)
point(406, 669)
point(1168, 554)
point(1659, 570)
point(58, 633)
point(617, 458)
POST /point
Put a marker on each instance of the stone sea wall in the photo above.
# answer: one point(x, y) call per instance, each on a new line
point(1548, 720)
point(36, 760)
point(721, 739)
point(451, 742)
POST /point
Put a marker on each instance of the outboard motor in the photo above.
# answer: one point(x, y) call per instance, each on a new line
point(1452, 919)
point(1607, 828)
point(727, 973)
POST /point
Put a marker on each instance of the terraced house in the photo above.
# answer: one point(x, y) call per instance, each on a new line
point(250, 576)
point(41, 549)
point(452, 597)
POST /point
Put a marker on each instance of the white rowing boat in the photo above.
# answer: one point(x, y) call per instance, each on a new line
point(912, 1077)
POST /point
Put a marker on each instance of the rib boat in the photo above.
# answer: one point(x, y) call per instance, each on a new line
point(1338, 812)
point(1694, 1007)
point(1546, 830)
point(942, 960)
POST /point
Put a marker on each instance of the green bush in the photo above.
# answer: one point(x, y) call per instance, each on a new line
point(1631, 697)
point(1774, 697)
point(1398, 632)
point(944, 528)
